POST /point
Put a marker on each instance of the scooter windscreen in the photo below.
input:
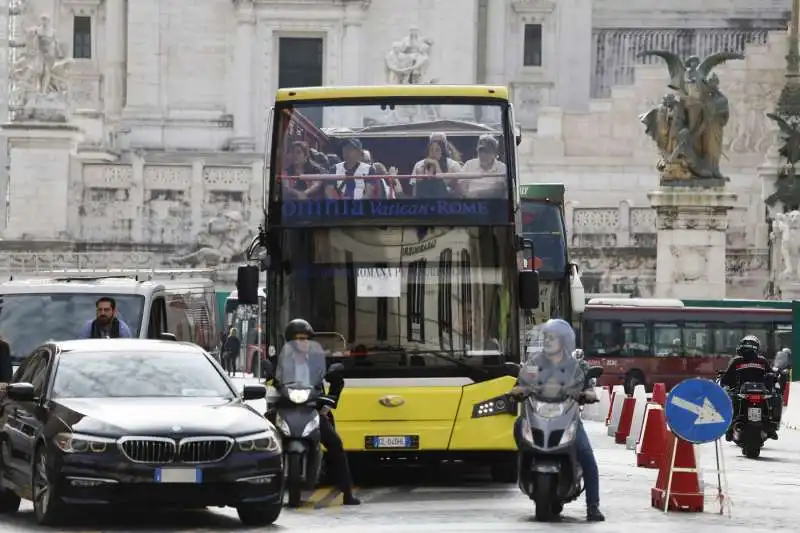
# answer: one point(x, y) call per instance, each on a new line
point(301, 369)
point(550, 373)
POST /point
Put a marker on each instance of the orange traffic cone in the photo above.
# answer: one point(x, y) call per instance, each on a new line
point(625, 420)
point(678, 484)
point(659, 394)
point(650, 449)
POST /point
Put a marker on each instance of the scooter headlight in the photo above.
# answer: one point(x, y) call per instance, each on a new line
point(311, 426)
point(527, 434)
point(549, 410)
point(569, 434)
point(299, 395)
point(281, 424)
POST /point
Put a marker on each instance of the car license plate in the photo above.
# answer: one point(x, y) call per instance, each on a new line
point(179, 475)
point(754, 414)
point(391, 442)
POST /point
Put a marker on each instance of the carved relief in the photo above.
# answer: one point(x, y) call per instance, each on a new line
point(167, 209)
point(691, 263)
point(671, 219)
point(786, 234)
point(106, 214)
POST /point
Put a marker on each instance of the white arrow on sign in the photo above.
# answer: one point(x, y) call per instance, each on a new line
point(706, 414)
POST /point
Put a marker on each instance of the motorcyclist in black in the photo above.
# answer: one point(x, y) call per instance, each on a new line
point(300, 330)
point(749, 366)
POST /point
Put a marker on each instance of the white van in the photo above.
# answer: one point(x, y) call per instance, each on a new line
point(33, 311)
point(192, 311)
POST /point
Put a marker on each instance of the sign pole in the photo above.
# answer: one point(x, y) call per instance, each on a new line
point(671, 471)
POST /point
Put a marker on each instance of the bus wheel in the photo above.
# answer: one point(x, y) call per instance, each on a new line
point(633, 378)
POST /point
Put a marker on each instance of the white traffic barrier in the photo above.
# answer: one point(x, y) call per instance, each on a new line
point(592, 411)
point(605, 403)
point(637, 421)
point(790, 419)
point(616, 410)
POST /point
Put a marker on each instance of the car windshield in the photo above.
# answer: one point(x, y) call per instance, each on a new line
point(138, 375)
point(550, 378)
point(542, 222)
point(301, 364)
point(413, 298)
point(29, 320)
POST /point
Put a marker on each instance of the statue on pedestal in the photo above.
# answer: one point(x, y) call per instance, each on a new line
point(688, 125)
point(41, 75)
point(408, 60)
point(786, 231)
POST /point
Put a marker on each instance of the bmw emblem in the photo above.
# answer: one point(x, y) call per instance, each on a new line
point(177, 429)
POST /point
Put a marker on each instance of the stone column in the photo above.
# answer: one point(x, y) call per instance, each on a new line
point(496, 32)
point(243, 134)
point(691, 250)
point(114, 45)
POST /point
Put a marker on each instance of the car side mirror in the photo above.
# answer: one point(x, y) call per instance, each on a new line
point(254, 392)
point(247, 284)
point(511, 369)
point(595, 372)
point(21, 392)
point(168, 337)
point(528, 287)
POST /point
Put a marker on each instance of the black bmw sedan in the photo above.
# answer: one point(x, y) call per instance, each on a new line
point(130, 422)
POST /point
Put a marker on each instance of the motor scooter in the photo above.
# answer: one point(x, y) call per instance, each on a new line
point(298, 381)
point(549, 472)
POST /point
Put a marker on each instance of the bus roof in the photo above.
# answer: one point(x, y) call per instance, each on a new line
point(66, 286)
point(740, 304)
point(551, 192)
point(637, 302)
point(304, 94)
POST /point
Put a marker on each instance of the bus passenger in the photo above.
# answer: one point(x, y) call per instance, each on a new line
point(302, 165)
point(351, 189)
point(486, 163)
point(438, 160)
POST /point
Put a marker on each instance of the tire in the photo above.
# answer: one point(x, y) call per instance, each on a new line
point(557, 508)
point(544, 496)
point(504, 471)
point(633, 378)
point(751, 450)
point(259, 514)
point(47, 507)
point(294, 480)
point(9, 502)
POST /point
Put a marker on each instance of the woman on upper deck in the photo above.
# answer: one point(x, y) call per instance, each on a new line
point(300, 165)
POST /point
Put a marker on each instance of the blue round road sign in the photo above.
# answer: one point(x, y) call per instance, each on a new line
point(698, 410)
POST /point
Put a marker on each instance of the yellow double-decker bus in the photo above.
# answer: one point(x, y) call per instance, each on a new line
point(394, 226)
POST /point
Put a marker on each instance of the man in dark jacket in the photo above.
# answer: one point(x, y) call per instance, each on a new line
point(749, 366)
point(107, 325)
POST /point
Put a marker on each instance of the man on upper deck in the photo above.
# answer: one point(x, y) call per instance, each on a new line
point(486, 163)
point(352, 166)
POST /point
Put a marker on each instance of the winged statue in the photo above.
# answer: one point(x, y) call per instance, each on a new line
point(688, 125)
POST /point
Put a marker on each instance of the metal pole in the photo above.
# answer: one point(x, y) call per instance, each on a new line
point(259, 341)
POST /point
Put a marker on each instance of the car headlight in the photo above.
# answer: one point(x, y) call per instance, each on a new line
point(77, 443)
point(311, 426)
point(281, 424)
point(266, 441)
point(527, 434)
point(299, 395)
point(500, 405)
point(549, 410)
point(569, 434)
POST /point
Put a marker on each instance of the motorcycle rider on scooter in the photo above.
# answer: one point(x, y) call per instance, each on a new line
point(559, 345)
point(299, 332)
point(749, 366)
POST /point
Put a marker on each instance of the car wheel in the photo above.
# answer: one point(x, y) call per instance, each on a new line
point(9, 502)
point(46, 504)
point(259, 514)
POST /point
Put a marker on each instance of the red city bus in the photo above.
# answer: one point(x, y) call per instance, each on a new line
point(646, 341)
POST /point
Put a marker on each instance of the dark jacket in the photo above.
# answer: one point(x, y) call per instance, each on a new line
point(741, 371)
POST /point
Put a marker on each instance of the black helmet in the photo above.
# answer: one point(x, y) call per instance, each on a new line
point(749, 346)
point(296, 327)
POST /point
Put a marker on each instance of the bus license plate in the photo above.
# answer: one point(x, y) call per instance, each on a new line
point(754, 414)
point(391, 442)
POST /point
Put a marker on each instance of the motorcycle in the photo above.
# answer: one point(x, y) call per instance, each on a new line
point(548, 468)
point(299, 380)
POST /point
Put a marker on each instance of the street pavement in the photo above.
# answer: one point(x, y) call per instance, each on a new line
point(763, 493)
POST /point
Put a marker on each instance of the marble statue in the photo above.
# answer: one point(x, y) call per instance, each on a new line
point(40, 73)
point(224, 240)
point(408, 60)
point(688, 125)
point(786, 231)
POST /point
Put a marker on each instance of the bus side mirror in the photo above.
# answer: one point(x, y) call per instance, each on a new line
point(247, 284)
point(528, 290)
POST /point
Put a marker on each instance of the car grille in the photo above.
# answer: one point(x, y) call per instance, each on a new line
point(204, 449)
point(148, 449)
point(158, 450)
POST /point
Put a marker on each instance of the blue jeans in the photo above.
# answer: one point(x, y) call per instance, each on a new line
point(585, 456)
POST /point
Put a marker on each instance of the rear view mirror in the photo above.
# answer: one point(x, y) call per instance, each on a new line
point(528, 287)
point(21, 392)
point(168, 337)
point(254, 392)
point(595, 372)
point(512, 369)
point(247, 284)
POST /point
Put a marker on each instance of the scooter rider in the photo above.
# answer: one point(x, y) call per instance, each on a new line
point(749, 366)
point(301, 332)
point(559, 344)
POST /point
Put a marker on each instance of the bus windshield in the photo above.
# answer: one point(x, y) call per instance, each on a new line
point(28, 320)
point(431, 158)
point(543, 223)
point(400, 297)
